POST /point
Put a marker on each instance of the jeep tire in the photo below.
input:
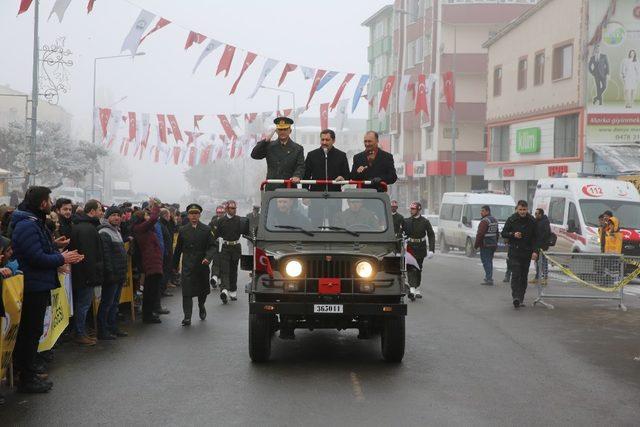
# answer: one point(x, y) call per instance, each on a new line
point(392, 339)
point(260, 333)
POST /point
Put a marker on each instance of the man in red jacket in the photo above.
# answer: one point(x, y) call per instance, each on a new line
point(151, 257)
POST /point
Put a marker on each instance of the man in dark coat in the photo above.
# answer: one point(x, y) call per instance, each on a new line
point(543, 235)
point(215, 262)
point(39, 260)
point(599, 69)
point(89, 274)
point(418, 231)
point(166, 225)
point(327, 163)
point(230, 228)
point(398, 219)
point(520, 229)
point(151, 258)
point(373, 164)
point(115, 274)
point(64, 208)
point(196, 247)
point(285, 158)
point(254, 220)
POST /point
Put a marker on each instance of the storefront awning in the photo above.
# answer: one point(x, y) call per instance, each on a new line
point(617, 159)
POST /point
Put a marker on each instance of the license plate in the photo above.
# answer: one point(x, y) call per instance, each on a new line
point(327, 308)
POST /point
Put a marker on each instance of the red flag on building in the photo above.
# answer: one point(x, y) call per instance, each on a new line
point(192, 38)
point(204, 154)
point(316, 82)
point(196, 121)
point(162, 128)
point(449, 90)
point(287, 69)
point(161, 23)
point(343, 85)
point(175, 129)
point(90, 5)
point(421, 96)
point(324, 115)
point(225, 60)
point(105, 115)
point(24, 6)
point(386, 93)
point(228, 130)
point(248, 60)
point(133, 126)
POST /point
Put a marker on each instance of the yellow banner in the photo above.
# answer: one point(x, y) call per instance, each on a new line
point(12, 291)
point(126, 295)
point(56, 318)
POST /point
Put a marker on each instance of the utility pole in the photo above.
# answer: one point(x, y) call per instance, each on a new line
point(34, 94)
point(454, 131)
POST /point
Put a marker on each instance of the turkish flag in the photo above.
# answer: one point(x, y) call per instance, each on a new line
point(192, 136)
point(132, 126)
point(410, 259)
point(228, 130)
point(204, 154)
point(24, 6)
point(196, 120)
point(316, 82)
point(324, 115)
point(386, 93)
point(261, 262)
point(287, 69)
point(287, 112)
point(105, 115)
point(343, 85)
point(161, 23)
point(90, 5)
point(191, 161)
point(247, 62)
point(449, 89)
point(162, 128)
point(175, 129)
point(249, 118)
point(225, 60)
point(421, 96)
point(193, 38)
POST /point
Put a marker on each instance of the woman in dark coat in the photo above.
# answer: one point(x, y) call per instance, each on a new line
point(151, 255)
point(196, 245)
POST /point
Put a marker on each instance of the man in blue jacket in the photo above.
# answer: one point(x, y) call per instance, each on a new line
point(39, 259)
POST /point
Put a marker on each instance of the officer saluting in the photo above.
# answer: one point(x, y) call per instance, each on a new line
point(230, 228)
point(196, 245)
point(285, 158)
point(417, 229)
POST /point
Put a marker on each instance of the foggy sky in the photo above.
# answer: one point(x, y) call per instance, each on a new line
point(321, 34)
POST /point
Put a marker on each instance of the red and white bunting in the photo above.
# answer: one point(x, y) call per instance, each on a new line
point(386, 93)
point(104, 115)
point(225, 60)
point(343, 85)
point(59, 8)
point(324, 115)
point(162, 128)
point(24, 6)
point(268, 66)
point(90, 6)
point(160, 24)
point(133, 126)
point(287, 69)
point(228, 130)
point(175, 129)
point(192, 38)
point(316, 82)
point(209, 48)
point(138, 28)
point(248, 60)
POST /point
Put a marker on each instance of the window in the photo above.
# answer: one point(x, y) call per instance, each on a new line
point(446, 211)
point(565, 136)
point(427, 45)
point(556, 210)
point(411, 54)
point(538, 71)
point(419, 53)
point(500, 144)
point(379, 67)
point(573, 220)
point(378, 30)
point(457, 212)
point(522, 73)
point(497, 81)
point(563, 62)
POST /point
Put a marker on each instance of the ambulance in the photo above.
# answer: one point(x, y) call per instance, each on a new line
point(573, 205)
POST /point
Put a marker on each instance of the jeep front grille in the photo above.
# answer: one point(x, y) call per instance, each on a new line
point(319, 268)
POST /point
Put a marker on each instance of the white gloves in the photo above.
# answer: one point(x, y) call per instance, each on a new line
point(429, 255)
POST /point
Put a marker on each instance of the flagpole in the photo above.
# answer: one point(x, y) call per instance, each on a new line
point(454, 131)
point(34, 93)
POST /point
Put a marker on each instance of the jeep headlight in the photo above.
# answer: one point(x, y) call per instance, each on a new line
point(364, 269)
point(293, 268)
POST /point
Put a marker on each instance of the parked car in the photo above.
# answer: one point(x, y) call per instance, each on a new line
point(460, 216)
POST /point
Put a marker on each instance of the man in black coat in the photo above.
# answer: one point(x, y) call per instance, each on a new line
point(326, 162)
point(88, 274)
point(520, 229)
point(373, 164)
point(543, 234)
point(64, 208)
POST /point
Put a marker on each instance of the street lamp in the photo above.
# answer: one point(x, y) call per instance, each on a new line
point(93, 110)
point(293, 95)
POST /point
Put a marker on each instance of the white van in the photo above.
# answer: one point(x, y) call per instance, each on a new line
point(75, 194)
point(460, 216)
point(573, 206)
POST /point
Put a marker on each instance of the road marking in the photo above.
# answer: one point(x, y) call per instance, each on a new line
point(357, 388)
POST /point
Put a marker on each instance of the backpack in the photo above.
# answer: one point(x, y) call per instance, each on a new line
point(553, 239)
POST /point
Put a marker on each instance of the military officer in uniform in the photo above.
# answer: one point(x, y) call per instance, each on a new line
point(417, 230)
point(215, 264)
point(397, 219)
point(230, 228)
point(285, 158)
point(254, 220)
point(196, 245)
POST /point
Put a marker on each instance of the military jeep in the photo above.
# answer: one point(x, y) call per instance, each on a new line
point(326, 260)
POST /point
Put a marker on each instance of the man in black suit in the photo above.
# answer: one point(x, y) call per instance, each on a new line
point(326, 162)
point(373, 164)
point(599, 69)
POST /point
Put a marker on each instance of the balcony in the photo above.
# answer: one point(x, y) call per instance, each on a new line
point(379, 47)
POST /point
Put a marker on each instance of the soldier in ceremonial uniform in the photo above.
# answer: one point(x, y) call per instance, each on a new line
point(285, 158)
point(254, 220)
point(397, 219)
point(215, 264)
point(417, 230)
point(230, 228)
point(196, 245)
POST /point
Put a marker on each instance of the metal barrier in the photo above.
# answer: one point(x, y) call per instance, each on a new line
point(601, 272)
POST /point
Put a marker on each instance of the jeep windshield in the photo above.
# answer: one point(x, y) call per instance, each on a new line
point(327, 215)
